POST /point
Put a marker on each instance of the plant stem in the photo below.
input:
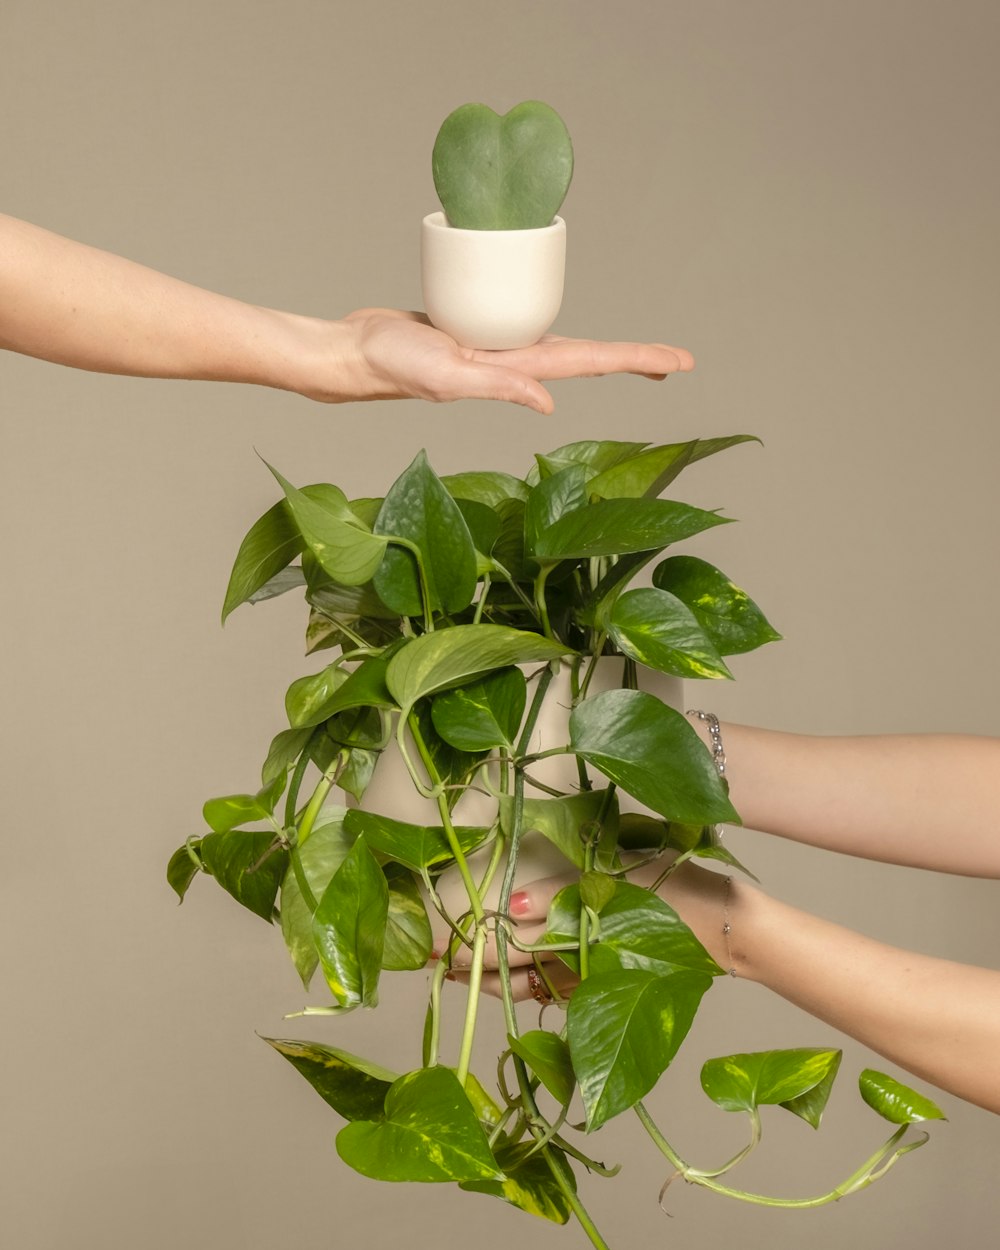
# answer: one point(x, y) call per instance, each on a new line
point(543, 611)
point(864, 1176)
point(576, 1206)
point(475, 904)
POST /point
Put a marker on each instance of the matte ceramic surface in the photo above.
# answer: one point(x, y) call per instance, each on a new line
point(492, 288)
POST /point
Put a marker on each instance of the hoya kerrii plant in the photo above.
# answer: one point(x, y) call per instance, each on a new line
point(454, 611)
point(507, 172)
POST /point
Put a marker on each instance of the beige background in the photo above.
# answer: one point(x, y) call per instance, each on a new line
point(805, 194)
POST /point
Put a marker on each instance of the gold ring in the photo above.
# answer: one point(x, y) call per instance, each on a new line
point(538, 988)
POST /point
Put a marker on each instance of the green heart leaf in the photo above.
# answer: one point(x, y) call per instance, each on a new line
point(638, 930)
point(568, 823)
point(727, 614)
point(547, 1055)
point(597, 889)
point(643, 475)
point(421, 848)
point(798, 1080)
point(320, 856)
point(896, 1102)
point(419, 509)
point(349, 928)
point(483, 523)
point(430, 1133)
point(352, 1086)
point(502, 173)
point(408, 939)
point(183, 867)
point(656, 629)
point(652, 752)
point(449, 657)
point(624, 1028)
point(306, 698)
point(343, 548)
point(614, 527)
point(484, 714)
point(248, 866)
point(529, 1184)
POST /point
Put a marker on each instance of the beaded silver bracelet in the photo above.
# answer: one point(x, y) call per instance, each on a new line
point(715, 738)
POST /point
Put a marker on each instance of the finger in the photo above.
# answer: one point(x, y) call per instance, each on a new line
point(530, 902)
point(555, 357)
point(529, 935)
point(563, 980)
point(475, 379)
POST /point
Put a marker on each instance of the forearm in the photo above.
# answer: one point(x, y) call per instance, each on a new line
point(75, 305)
point(937, 1019)
point(927, 801)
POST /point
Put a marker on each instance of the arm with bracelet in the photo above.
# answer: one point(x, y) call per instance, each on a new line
point(920, 801)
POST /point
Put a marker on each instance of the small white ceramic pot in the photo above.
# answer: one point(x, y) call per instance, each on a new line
point(492, 288)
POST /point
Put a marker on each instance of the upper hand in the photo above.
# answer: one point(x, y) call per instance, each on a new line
point(400, 355)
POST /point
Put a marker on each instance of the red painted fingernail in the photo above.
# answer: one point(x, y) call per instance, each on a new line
point(434, 955)
point(450, 976)
point(520, 903)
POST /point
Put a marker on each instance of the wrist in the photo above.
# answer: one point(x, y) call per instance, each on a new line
point(318, 359)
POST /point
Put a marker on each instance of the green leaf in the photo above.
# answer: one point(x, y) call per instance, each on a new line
point(356, 776)
point(430, 1133)
point(596, 455)
point(529, 1184)
point(895, 1102)
point(727, 614)
point(564, 492)
point(652, 752)
point(798, 1080)
point(596, 890)
point(484, 714)
point(183, 867)
point(352, 1086)
point(248, 866)
point(320, 856)
point(483, 523)
point(347, 603)
point(638, 930)
point(613, 527)
point(547, 1055)
point(656, 629)
point(307, 697)
point(419, 509)
point(702, 841)
point(408, 939)
point(449, 657)
point(568, 823)
point(643, 475)
point(291, 578)
point(365, 687)
point(285, 749)
point(343, 548)
point(272, 542)
point(507, 172)
point(349, 928)
point(490, 489)
point(225, 813)
point(417, 847)
point(624, 1028)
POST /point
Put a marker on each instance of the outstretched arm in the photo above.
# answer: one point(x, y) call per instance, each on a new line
point(928, 801)
point(72, 304)
point(937, 1019)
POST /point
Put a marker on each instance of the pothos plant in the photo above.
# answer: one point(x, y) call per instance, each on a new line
point(448, 607)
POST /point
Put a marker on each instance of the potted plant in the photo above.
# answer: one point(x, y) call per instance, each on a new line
point(493, 261)
point(458, 611)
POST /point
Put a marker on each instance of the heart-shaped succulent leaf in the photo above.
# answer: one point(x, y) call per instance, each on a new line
point(502, 173)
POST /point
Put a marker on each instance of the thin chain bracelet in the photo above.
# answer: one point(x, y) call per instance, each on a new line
point(727, 928)
point(715, 737)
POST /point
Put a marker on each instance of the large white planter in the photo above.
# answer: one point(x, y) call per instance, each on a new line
point(392, 794)
point(492, 288)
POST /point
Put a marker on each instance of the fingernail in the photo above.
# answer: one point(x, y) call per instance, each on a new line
point(520, 903)
point(434, 955)
point(450, 976)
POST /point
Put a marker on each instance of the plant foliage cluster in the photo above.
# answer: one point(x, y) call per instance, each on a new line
point(447, 607)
